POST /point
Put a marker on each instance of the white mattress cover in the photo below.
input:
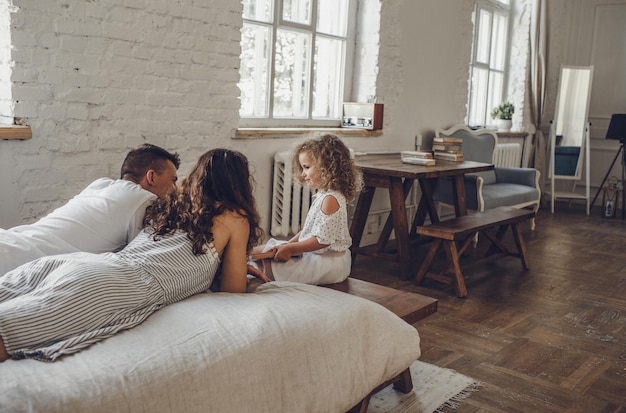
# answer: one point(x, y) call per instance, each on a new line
point(286, 348)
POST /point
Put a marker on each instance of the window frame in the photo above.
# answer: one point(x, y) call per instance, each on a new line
point(347, 72)
point(503, 9)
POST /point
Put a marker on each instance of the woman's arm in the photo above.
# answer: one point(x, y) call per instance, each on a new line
point(234, 258)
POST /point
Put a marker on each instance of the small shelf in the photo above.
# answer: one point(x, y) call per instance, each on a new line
point(17, 132)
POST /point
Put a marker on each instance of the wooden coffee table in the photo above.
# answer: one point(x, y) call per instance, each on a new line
point(411, 307)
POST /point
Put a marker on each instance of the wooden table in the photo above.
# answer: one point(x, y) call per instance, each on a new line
point(389, 172)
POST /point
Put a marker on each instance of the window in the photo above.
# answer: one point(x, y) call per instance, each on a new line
point(488, 68)
point(294, 55)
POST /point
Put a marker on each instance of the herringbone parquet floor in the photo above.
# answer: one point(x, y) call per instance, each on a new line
point(551, 339)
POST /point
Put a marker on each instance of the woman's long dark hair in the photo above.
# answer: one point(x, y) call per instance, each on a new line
point(219, 182)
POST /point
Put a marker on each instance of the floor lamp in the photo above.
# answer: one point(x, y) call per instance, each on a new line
point(617, 130)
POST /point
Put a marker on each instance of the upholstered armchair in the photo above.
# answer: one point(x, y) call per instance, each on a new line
point(514, 187)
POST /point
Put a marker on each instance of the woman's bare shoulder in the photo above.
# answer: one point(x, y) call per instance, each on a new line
point(231, 218)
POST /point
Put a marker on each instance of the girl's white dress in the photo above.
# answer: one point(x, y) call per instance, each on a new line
point(328, 265)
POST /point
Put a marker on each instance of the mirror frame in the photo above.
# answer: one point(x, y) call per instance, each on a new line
point(584, 138)
point(584, 156)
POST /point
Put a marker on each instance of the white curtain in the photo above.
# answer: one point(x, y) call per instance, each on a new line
point(537, 80)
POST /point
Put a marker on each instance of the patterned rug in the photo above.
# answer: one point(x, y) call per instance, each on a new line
point(435, 389)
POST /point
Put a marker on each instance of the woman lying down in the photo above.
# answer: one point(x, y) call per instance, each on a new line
point(61, 304)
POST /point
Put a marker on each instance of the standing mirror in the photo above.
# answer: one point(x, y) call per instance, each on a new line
point(569, 134)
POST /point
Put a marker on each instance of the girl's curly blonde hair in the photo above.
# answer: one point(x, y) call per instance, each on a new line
point(337, 169)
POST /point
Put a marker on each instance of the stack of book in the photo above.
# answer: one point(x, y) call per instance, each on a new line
point(448, 149)
point(417, 157)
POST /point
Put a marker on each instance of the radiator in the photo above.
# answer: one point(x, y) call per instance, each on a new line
point(290, 200)
point(507, 155)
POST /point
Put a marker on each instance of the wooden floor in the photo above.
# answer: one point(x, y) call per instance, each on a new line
point(550, 339)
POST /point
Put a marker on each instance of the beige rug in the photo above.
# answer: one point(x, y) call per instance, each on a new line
point(435, 389)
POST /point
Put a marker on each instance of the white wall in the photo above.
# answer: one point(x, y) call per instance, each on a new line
point(584, 33)
point(95, 79)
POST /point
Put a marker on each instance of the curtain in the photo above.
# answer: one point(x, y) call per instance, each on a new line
point(537, 81)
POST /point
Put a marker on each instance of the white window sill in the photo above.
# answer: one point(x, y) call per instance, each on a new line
point(17, 132)
point(265, 133)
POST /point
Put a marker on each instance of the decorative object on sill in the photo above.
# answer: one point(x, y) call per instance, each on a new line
point(504, 125)
point(610, 197)
point(503, 113)
point(362, 115)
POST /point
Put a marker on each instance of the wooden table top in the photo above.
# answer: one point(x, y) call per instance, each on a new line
point(391, 165)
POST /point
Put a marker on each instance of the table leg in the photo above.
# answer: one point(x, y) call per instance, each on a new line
point(386, 231)
point(360, 217)
point(426, 205)
point(460, 208)
point(521, 246)
point(400, 225)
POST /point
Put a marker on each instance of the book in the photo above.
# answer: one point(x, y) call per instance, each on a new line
point(447, 148)
point(454, 157)
point(417, 154)
point(444, 140)
point(418, 161)
point(261, 255)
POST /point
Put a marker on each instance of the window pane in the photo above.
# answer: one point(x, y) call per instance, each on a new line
point(488, 68)
point(260, 10)
point(291, 81)
point(496, 85)
point(484, 26)
point(282, 41)
point(332, 17)
point(479, 97)
point(328, 80)
point(254, 70)
point(498, 41)
point(297, 11)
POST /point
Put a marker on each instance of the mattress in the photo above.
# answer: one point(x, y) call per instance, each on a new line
point(286, 347)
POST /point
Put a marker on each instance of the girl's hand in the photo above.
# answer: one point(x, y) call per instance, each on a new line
point(283, 253)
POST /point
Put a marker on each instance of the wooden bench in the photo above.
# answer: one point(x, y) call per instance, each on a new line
point(411, 307)
point(462, 229)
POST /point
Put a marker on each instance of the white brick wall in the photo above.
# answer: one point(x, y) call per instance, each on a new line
point(94, 79)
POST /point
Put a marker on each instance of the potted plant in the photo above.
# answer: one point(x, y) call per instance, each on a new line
point(503, 113)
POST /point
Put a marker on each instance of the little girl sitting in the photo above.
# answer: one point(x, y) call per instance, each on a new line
point(319, 253)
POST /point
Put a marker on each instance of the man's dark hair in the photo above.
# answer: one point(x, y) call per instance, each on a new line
point(146, 157)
